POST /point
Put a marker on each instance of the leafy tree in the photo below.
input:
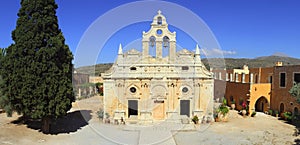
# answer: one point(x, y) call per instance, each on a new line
point(295, 91)
point(37, 68)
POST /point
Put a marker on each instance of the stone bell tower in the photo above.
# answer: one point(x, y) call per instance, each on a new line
point(159, 37)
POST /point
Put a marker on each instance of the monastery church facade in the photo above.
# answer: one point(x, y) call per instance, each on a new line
point(150, 88)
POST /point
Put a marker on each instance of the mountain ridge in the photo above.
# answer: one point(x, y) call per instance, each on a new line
point(230, 63)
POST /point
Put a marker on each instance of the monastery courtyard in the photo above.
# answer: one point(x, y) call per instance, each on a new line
point(261, 129)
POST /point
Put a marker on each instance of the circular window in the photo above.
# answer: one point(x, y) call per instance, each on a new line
point(159, 32)
point(185, 89)
point(132, 89)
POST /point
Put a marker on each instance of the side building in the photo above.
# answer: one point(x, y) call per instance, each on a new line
point(284, 79)
point(247, 86)
point(261, 89)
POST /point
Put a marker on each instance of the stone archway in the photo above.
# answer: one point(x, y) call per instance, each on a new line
point(261, 104)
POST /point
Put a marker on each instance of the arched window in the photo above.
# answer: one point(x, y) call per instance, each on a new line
point(152, 41)
point(159, 21)
point(166, 41)
point(152, 46)
point(281, 108)
point(166, 46)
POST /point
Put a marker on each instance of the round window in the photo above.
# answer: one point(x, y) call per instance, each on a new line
point(132, 89)
point(159, 32)
point(185, 89)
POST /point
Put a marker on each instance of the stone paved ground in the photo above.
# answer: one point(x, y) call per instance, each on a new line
point(260, 130)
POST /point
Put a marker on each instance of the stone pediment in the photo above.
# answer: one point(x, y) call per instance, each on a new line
point(184, 52)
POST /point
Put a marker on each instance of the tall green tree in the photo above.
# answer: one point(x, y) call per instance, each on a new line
point(38, 66)
point(295, 91)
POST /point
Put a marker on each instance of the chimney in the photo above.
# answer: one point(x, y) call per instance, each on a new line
point(278, 63)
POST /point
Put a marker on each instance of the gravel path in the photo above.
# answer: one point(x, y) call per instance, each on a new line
point(260, 130)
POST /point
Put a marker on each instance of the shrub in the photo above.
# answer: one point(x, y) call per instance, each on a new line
point(271, 112)
point(288, 116)
point(100, 114)
point(223, 109)
point(224, 101)
point(195, 119)
point(253, 114)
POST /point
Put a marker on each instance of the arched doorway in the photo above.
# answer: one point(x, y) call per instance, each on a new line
point(296, 111)
point(281, 108)
point(262, 104)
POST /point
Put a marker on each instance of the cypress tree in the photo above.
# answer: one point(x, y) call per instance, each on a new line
point(38, 66)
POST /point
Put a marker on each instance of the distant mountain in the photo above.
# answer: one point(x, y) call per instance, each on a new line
point(94, 70)
point(265, 61)
point(230, 63)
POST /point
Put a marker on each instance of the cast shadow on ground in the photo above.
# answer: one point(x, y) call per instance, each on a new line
point(295, 123)
point(297, 142)
point(72, 122)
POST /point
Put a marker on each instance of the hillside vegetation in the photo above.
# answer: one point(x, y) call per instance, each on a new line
point(230, 63)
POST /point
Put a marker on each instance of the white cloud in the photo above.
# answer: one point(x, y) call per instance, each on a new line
point(217, 52)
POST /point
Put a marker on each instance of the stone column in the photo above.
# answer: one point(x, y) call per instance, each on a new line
point(158, 49)
point(145, 49)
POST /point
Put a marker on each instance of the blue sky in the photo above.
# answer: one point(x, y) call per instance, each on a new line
point(244, 29)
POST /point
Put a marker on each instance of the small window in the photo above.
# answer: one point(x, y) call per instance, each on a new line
point(133, 68)
point(297, 78)
point(282, 79)
point(231, 98)
point(132, 89)
point(159, 32)
point(185, 89)
point(185, 68)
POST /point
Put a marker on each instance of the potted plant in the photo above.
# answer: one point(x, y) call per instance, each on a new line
point(287, 116)
point(222, 112)
point(244, 107)
point(195, 119)
point(232, 104)
point(276, 113)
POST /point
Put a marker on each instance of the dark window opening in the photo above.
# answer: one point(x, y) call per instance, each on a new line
point(159, 21)
point(132, 89)
point(133, 68)
point(185, 89)
point(185, 68)
point(297, 78)
point(231, 98)
point(282, 79)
